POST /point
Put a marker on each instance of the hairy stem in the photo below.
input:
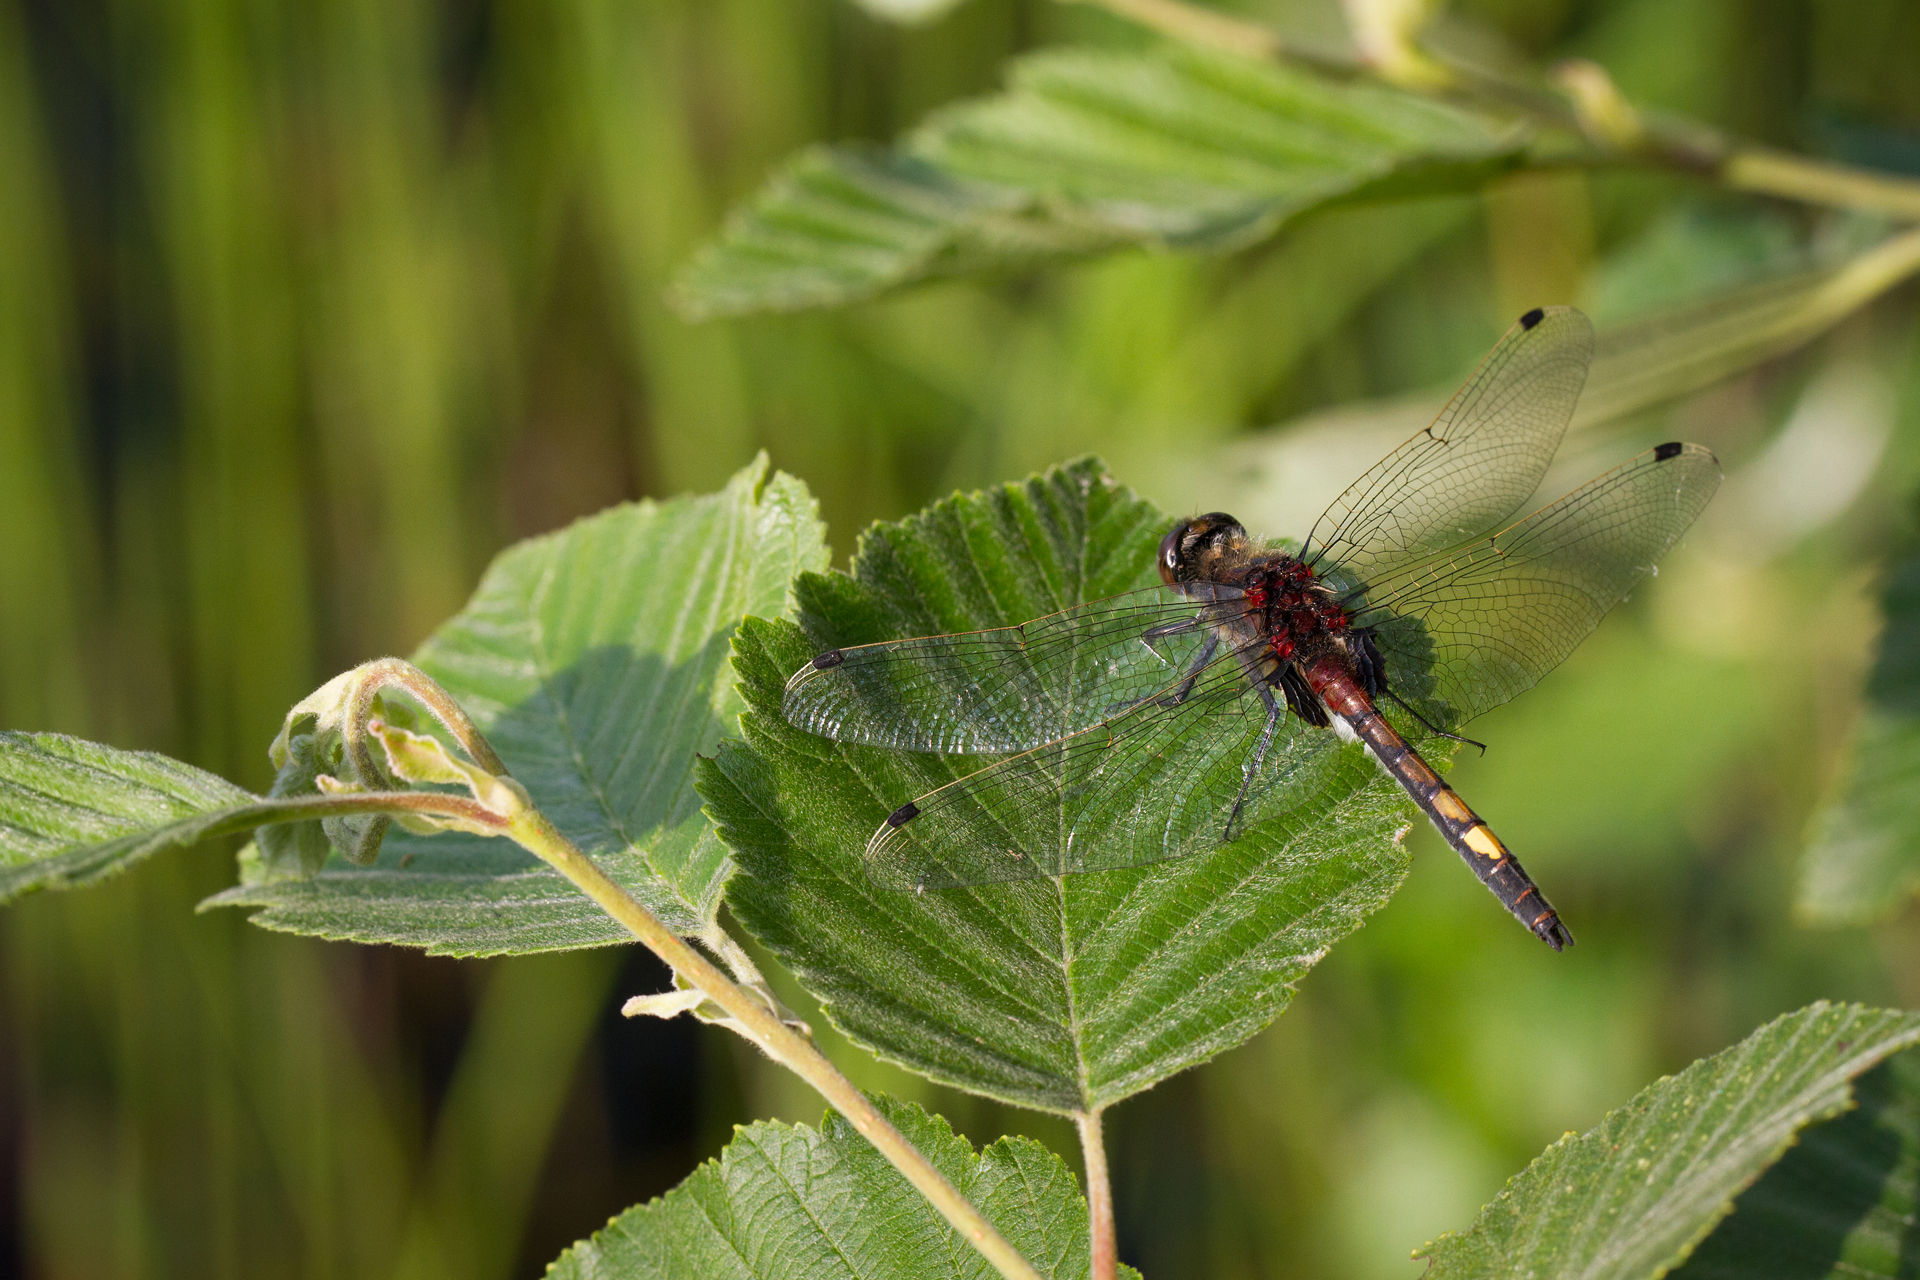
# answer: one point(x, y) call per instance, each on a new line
point(398, 673)
point(761, 1025)
point(1093, 1145)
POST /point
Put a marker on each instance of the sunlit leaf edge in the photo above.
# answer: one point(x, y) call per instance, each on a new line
point(1859, 1037)
point(1841, 1202)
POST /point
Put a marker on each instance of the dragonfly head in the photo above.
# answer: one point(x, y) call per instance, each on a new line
point(1192, 551)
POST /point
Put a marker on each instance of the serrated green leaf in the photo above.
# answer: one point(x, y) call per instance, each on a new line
point(74, 812)
point(1629, 1199)
point(786, 1202)
point(1060, 994)
point(1087, 150)
point(1863, 859)
point(1841, 1205)
point(595, 661)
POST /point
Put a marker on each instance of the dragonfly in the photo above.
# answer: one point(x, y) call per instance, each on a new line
point(1177, 718)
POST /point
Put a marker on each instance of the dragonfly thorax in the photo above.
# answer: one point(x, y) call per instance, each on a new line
point(1287, 602)
point(1293, 608)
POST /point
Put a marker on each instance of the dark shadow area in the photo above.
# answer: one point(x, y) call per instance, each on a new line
point(1841, 1201)
point(13, 1224)
point(1161, 1183)
point(634, 1123)
point(416, 1010)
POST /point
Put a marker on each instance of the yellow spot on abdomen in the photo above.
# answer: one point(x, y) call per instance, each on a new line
point(1482, 841)
point(1450, 806)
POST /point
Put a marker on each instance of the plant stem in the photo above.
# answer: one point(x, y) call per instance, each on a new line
point(428, 804)
point(1196, 26)
point(533, 831)
point(1679, 145)
point(1777, 173)
point(1105, 1245)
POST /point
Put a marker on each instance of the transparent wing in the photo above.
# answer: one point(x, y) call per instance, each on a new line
point(1467, 631)
point(1470, 471)
point(1013, 688)
point(1154, 784)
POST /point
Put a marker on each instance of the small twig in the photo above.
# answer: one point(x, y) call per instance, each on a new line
point(1791, 177)
point(1104, 1243)
point(1195, 26)
point(1617, 129)
point(759, 1023)
point(430, 804)
point(498, 805)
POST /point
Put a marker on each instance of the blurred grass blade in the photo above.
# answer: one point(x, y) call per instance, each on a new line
point(786, 1202)
point(1086, 151)
point(1642, 363)
point(595, 661)
point(73, 812)
point(1631, 1198)
point(491, 1135)
point(1842, 1202)
point(1863, 859)
point(1058, 994)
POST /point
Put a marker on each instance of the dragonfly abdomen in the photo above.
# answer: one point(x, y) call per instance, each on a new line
point(1459, 825)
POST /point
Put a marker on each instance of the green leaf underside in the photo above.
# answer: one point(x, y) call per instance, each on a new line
point(789, 1201)
point(1629, 1199)
point(595, 661)
point(1086, 151)
point(1864, 857)
point(73, 812)
point(1842, 1203)
point(1058, 993)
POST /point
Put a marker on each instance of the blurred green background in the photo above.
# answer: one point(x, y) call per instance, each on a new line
point(306, 310)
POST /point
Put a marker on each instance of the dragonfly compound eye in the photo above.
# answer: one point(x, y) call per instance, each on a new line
point(1170, 554)
point(1186, 553)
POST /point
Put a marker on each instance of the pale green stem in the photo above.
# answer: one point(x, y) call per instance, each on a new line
point(1776, 173)
point(750, 1014)
point(761, 1025)
point(1691, 148)
point(1100, 1229)
point(1196, 26)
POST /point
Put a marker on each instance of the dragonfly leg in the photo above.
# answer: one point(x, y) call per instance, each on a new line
point(1194, 668)
point(1259, 757)
point(1166, 629)
point(1185, 688)
point(1431, 726)
point(1367, 661)
point(1301, 699)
